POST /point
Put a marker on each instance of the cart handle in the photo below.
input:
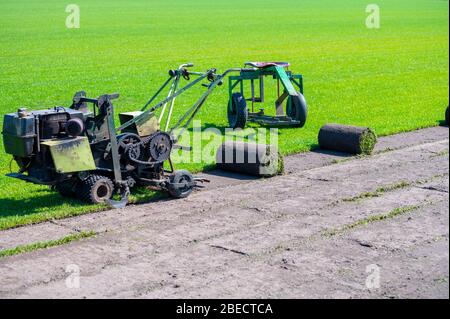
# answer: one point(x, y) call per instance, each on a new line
point(186, 65)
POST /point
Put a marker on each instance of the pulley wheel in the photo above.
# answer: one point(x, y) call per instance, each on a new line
point(160, 147)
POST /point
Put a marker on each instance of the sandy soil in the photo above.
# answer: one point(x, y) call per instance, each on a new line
point(320, 231)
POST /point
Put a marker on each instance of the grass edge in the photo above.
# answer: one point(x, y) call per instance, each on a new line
point(21, 249)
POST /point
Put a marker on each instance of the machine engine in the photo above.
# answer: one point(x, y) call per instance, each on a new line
point(25, 134)
point(77, 151)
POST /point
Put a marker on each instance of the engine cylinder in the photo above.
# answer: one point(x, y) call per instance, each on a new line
point(74, 127)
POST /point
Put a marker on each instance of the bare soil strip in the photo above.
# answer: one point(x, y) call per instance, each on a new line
point(311, 233)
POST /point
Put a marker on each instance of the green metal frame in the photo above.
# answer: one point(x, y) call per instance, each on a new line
point(291, 84)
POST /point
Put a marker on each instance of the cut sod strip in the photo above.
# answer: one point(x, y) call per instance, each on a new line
point(45, 244)
point(347, 139)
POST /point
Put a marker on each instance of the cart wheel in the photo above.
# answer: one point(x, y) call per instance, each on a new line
point(95, 189)
point(181, 184)
point(297, 109)
point(237, 111)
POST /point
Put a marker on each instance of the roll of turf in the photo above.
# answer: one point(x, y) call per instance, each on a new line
point(348, 139)
point(249, 158)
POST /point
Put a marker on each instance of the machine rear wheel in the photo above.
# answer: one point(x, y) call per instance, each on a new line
point(95, 189)
point(297, 109)
point(237, 111)
point(181, 184)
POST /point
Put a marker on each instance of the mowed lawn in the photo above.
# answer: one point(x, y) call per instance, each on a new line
point(392, 79)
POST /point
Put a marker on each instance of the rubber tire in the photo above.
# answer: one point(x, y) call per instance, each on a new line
point(88, 189)
point(298, 111)
point(237, 111)
point(178, 177)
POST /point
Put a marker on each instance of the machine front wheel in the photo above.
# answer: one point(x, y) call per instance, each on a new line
point(95, 189)
point(297, 109)
point(181, 184)
point(237, 111)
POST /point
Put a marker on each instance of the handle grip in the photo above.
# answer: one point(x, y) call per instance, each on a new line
point(113, 96)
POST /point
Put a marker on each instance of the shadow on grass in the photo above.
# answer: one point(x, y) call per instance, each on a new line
point(42, 199)
point(252, 125)
point(46, 201)
point(142, 195)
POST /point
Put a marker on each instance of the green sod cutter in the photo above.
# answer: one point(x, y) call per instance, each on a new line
point(295, 112)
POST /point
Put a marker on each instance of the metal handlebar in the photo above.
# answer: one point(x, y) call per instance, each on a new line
point(186, 65)
point(210, 75)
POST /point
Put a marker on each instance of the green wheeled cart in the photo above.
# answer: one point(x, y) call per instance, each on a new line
point(291, 107)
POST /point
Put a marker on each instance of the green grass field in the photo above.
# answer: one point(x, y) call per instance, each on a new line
point(392, 79)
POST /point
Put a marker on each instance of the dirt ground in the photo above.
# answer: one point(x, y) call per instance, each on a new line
point(332, 227)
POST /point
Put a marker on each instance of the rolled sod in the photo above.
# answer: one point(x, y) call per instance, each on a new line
point(348, 139)
point(249, 158)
